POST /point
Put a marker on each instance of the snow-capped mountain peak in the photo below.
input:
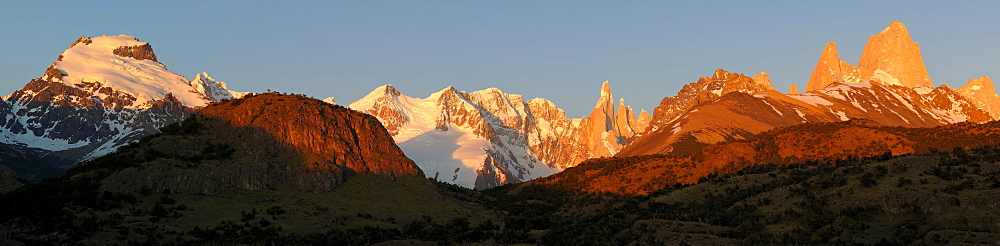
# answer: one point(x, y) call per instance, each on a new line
point(213, 89)
point(487, 138)
point(101, 93)
point(330, 100)
point(121, 68)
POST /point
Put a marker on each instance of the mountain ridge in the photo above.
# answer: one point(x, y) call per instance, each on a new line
point(496, 138)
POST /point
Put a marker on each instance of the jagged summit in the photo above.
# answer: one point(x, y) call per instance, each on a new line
point(705, 90)
point(605, 88)
point(386, 89)
point(983, 93)
point(486, 138)
point(895, 26)
point(830, 68)
point(891, 57)
point(642, 123)
point(984, 84)
point(763, 79)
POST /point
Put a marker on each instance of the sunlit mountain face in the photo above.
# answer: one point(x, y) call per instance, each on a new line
point(109, 147)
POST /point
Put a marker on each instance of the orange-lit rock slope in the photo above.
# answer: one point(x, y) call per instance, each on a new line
point(830, 68)
point(822, 142)
point(335, 136)
point(890, 57)
point(982, 92)
point(890, 87)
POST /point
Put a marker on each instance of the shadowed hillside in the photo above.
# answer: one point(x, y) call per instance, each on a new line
point(943, 198)
point(238, 171)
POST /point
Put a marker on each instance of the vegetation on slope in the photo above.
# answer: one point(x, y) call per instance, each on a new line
point(941, 198)
point(206, 180)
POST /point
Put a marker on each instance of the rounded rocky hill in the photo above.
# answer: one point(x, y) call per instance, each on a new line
point(261, 141)
point(333, 134)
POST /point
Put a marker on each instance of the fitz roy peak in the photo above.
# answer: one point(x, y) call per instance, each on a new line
point(487, 138)
point(890, 86)
point(890, 57)
point(101, 93)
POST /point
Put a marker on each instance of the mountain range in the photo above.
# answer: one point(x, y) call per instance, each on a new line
point(107, 145)
point(837, 91)
point(107, 91)
point(487, 138)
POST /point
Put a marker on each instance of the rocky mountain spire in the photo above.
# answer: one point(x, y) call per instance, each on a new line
point(625, 120)
point(763, 79)
point(830, 68)
point(982, 92)
point(643, 122)
point(606, 104)
point(600, 126)
point(793, 89)
point(892, 57)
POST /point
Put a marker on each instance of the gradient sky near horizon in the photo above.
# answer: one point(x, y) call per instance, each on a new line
point(559, 50)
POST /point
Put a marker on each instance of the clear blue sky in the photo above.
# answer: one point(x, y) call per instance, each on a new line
point(560, 50)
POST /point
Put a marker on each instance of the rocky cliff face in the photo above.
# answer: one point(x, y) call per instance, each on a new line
point(603, 132)
point(830, 68)
point(488, 138)
point(477, 140)
point(101, 93)
point(982, 92)
point(763, 80)
point(336, 135)
point(891, 57)
point(138, 52)
point(552, 138)
point(265, 140)
point(643, 121)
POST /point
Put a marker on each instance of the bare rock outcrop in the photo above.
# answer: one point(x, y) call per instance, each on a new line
point(335, 135)
point(139, 52)
point(262, 141)
point(891, 57)
point(982, 92)
point(830, 68)
point(705, 90)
